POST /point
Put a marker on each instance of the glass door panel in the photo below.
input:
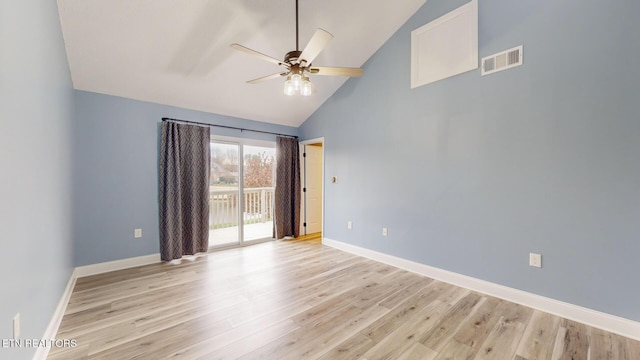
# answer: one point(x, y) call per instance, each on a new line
point(224, 194)
point(258, 184)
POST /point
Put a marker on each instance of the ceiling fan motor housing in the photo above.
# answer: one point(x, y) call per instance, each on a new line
point(292, 56)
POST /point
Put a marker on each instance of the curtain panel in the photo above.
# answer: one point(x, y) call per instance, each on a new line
point(184, 190)
point(287, 191)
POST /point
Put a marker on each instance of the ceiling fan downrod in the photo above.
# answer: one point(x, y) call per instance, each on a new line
point(297, 29)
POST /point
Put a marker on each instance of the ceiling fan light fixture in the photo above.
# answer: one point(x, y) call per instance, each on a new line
point(289, 89)
point(306, 89)
point(296, 80)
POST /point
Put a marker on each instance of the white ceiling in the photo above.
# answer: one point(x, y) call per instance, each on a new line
point(176, 52)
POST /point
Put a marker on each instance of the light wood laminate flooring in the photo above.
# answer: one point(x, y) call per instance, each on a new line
point(302, 300)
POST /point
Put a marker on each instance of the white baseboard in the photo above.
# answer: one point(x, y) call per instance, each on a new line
point(94, 269)
point(54, 324)
point(611, 323)
point(87, 270)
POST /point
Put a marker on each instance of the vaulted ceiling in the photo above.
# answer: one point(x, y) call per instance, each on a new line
point(176, 52)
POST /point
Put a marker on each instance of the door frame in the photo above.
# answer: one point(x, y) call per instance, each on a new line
point(302, 168)
point(240, 142)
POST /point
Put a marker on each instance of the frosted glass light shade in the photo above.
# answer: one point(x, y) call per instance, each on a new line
point(296, 79)
point(289, 89)
point(306, 89)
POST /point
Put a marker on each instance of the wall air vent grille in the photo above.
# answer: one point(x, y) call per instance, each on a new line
point(502, 60)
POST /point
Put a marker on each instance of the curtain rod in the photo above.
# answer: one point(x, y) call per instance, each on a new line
point(228, 127)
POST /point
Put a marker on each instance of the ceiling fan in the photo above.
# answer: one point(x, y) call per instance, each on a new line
point(297, 64)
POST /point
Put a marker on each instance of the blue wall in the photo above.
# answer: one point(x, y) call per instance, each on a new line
point(116, 172)
point(472, 173)
point(36, 101)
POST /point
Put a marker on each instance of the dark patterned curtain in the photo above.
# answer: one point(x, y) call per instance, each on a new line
point(184, 190)
point(287, 192)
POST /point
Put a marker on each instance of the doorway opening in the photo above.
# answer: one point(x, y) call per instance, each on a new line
point(312, 179)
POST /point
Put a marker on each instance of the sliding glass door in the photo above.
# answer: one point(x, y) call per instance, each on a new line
point(240, 193)
point(258, 176)
point(224, 193)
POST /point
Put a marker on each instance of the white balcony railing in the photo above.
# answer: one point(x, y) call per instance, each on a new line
point(223, 207)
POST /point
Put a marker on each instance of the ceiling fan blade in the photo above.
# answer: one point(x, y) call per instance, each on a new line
point(257, 54)
point(336, 71)
point(318, 41)
point(265, 78)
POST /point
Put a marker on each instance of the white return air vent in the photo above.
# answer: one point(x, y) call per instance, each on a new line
point(502, 60)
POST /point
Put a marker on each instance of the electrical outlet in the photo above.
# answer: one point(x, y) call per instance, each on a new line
point(535, 260)
point(16, 326)
point(349, 225)
point(137, 233)
point(385, 232)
